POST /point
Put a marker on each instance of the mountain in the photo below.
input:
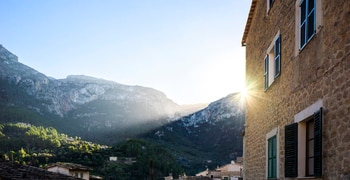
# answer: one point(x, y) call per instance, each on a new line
point(209, 137)
point(96, 109)
point(107, 112)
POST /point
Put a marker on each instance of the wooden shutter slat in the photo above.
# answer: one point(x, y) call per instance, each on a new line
point(318, 143)
point(291, 150)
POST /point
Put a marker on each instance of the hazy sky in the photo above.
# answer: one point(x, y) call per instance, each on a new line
point(189, 49)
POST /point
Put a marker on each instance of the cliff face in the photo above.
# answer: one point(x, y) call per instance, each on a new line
point(85, 102)
point(209, 137)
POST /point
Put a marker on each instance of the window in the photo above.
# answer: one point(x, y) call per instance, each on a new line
point(310, 148)
point(272, 154)
point(272, 62)
point(307, 21)
point(272, 162)
point(303, 146)
point(269, 4)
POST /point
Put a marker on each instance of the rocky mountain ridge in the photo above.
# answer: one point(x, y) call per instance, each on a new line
point(209, 137)
point(86, 102)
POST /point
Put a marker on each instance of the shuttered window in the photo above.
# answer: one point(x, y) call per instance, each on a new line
point(291, 150)
point(313, 140)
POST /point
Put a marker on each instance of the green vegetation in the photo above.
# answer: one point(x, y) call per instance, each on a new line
point(38, 146)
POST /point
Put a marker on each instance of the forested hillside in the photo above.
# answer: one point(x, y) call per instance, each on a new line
point(39, 146)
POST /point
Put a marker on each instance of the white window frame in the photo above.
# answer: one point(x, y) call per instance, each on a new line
point(273, 132)
point(271, 74)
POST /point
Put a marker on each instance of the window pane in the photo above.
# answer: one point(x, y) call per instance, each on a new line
point(274, 147)
point(310, 130)
point(277, 65)
point(272, 162)
point(266, 73)
point(274, 169)
point(277, 46)
point(302, 12)
point(302, 36)
point(271, 2)
point(311, 5)
point(310, 148)
point(310, 167)
point(310, 25)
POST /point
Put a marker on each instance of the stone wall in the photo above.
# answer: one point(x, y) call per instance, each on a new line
point(320, 71)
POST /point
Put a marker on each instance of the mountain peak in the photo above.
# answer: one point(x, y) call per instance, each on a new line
point(7, 55)
point(84, 78)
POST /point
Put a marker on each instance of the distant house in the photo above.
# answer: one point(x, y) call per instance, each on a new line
point(13, 171)
point(122, 160)
point(230, 171)
point(113, 158)
point(70, 169)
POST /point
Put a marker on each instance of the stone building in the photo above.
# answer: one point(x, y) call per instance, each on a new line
point(15, 171)
point(298, 81)
point(70, 169)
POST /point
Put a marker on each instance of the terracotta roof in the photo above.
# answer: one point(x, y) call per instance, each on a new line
point(14, 171)
point(70, 166)
point(249, 21)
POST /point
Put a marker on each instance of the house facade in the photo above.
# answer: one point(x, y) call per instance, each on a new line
point(232, 171)
point(12, 170)
point(70, 169)
point(298, 80)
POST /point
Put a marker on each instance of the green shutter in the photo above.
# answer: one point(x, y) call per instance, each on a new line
point(266, 72)
point(272, 157)
point(318, 143)
point(291, 150)
point(277, 53)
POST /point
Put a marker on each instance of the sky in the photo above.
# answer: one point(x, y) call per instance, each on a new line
point(189, 49)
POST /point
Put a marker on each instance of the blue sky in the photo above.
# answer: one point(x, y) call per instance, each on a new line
point(189, 49)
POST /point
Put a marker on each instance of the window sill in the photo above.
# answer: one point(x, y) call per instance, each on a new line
point(309, 178)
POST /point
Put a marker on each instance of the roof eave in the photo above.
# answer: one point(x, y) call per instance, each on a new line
point(249, 21)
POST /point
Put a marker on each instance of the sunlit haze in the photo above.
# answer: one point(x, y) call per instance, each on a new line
point(188, 49)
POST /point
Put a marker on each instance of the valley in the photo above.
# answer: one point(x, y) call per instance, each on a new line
point(100, 113)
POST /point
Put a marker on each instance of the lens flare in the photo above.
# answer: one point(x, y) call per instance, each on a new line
point(250, 95)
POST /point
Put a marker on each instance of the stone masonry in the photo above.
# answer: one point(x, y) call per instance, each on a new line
point(320, 71)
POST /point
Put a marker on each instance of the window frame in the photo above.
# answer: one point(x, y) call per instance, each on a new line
point(318, 18)
point(296, 139)
point(272, 61)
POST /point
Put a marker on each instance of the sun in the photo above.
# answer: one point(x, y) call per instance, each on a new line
point(249, 95)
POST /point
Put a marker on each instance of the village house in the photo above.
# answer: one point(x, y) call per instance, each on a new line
point(70, 169)
point(298, 90)
point(15, 171)
point(232, 171)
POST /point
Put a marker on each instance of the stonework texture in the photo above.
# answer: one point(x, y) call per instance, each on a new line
point(320, 71)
